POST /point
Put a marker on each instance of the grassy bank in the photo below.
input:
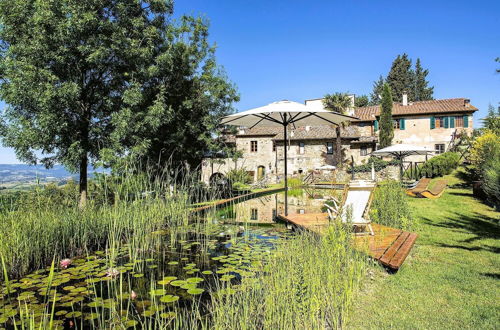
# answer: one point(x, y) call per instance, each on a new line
point(451, 279)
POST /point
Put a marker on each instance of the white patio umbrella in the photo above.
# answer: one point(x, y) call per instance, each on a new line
point(401, 151)
point(326, 167)
point(284, 113)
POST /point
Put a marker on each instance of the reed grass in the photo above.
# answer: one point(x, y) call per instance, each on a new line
point(307, 283)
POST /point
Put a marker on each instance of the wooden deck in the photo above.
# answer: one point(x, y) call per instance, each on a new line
point(389, 246)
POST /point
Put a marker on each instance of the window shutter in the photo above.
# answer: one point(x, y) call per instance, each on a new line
point(375, 125)
point(452, 122)
point(446, 122)
point(466, 121)
point(433, 122)
point(402, 123)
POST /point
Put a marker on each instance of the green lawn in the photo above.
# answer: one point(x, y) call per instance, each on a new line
point(451, 280)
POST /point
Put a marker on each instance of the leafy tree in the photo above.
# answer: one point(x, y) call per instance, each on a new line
point(386, 126)
point(400, 77)
point(338, 102)
point(96, 79)
point(420, 89)
point(361, 101)
point(492, 120)
point(179, 125)
point(378, 87)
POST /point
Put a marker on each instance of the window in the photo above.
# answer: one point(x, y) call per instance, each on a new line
point(329, 148)
point(363, 151)
point(253, 146)
point(439, 148)
point(274, 146)
point(459, 121)
point(439, 122)
point(395, 123)
point(254, 214)
point(302, 148)
point(302, 211)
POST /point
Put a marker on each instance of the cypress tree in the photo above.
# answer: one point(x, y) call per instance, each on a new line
point(386, 127)
point(421, 90)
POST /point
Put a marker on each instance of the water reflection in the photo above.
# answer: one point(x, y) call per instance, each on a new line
point(264, 209)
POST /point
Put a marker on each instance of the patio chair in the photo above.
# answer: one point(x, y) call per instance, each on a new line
point(357, 202)
point(420, 187)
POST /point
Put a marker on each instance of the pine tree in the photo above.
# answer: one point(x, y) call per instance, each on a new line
point(420, 90)
point(400, 77)
point(378, 87)
point(386, 126)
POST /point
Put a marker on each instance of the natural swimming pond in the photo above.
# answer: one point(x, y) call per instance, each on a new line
point(137, 288)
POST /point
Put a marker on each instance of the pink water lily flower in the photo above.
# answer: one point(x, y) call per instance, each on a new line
point(133, 295)
point(112, 272)
point(65, 263)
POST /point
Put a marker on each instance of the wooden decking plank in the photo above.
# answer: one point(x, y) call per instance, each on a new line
point(389, 246)
point(403, 252)
point(393, 249)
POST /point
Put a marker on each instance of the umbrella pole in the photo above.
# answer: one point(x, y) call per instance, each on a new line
point(286, 169)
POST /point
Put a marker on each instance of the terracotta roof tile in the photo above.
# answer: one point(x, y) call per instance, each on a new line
point(415, 108)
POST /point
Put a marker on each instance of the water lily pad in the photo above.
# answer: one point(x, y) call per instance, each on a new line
point(172, 263)
point(158, 292)
point(131, 323)
point(137, 276)
point(194, 280)
point(195, 291)
point(74, 314)
point(168, 315)
point(177, 283)
point(169, 298)
point(207, 272)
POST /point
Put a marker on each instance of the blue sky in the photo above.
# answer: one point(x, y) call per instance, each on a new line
point(297, 50)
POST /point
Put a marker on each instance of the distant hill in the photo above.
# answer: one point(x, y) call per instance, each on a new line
point(21, 173)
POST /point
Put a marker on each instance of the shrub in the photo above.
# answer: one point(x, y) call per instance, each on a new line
point(390, 206)
point(491, 184)
point(440, 165)
point(378, 163)
point(239, 186)
point(239, 175)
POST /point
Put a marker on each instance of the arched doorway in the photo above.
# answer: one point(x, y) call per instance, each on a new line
point(261, 172)
point(217, 179)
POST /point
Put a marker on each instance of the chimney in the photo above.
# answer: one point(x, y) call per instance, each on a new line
point(405, 98)
point(308, 128)
point(467, 103)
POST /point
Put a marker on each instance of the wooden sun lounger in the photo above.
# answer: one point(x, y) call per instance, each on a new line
point(420, 187)
point(436, 191)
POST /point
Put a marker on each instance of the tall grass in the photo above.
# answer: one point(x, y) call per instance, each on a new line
point(390, 206)
point(43, 225)
point(307, 283)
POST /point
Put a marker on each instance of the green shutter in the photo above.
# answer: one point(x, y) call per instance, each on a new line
point(375, 125)
point(466, 121)
point(402, 123)
point(433, 122)
point(452, 122)
point(446, 122)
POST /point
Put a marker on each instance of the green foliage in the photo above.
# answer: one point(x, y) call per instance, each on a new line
point(492, 121)
point(485, 158)
point(294, 183)
point(390, 206)
point(98, 80)
point(420, 91)
point(361, 101)
point(402, 78)
point(491, 183)
point(378, 164)
point(338, 102)
point(386, 126)
point(307, 283)
point(240, 186)
point(239, 175)
point(440, 165)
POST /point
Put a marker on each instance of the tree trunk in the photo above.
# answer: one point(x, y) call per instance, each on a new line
point(83, 181)
point(338, 147)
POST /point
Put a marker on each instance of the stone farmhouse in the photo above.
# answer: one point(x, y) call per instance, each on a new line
point(434, 124)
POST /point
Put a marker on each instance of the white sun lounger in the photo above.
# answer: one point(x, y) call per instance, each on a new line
point(356, 202)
